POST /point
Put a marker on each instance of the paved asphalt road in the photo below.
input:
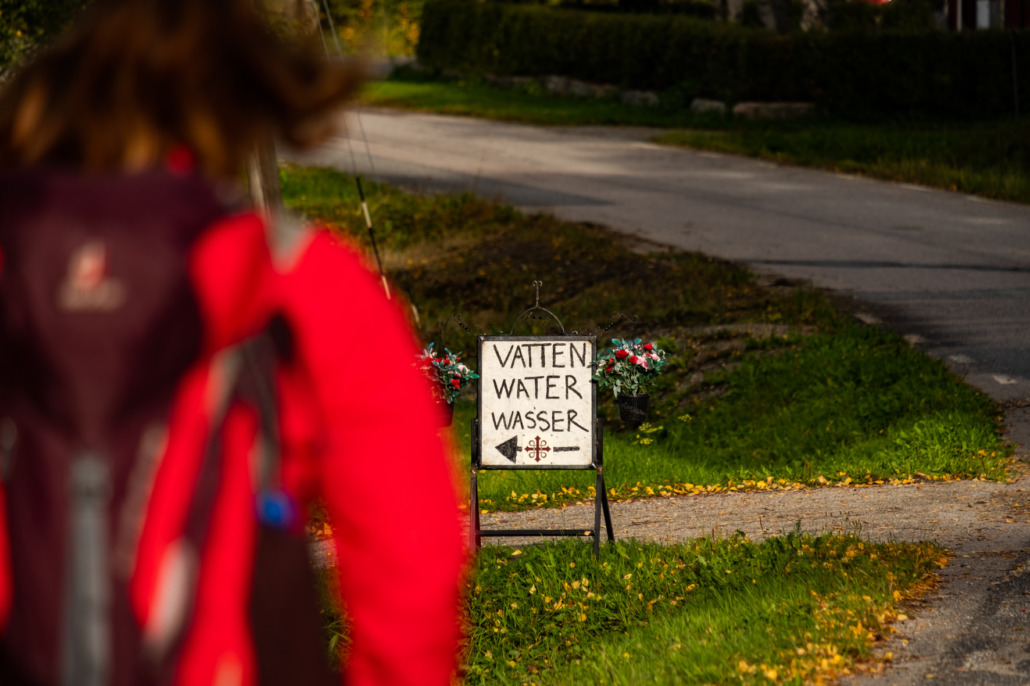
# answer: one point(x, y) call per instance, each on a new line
point(951, 272)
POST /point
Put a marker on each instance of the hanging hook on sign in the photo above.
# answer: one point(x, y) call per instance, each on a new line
point(534, 312)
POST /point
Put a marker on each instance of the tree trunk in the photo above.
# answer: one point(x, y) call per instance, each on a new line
point(775, 14)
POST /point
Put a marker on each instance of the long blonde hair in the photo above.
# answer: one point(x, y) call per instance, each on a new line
point(135, 78)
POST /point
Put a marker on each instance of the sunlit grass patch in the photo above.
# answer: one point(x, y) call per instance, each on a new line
point(856, 406)
point(793, 609)
point(768, 387)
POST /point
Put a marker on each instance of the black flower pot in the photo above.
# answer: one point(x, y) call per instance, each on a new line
point(633, 408)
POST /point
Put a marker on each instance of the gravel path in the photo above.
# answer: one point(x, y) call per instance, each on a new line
point(951, 513)
point(975, 629)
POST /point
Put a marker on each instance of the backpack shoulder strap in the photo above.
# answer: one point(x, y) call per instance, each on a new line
point(287, 235)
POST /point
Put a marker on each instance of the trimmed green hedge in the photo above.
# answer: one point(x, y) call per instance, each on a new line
point(967, 74)
point(704, 9)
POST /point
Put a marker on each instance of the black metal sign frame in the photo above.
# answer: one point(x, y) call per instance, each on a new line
point(476, 532)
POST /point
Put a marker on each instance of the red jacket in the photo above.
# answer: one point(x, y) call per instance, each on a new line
point(359, 430)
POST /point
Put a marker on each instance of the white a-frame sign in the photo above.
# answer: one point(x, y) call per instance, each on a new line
point(537, 410)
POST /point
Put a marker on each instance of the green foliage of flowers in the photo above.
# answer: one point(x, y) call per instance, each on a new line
point(449, 375)
point(792, 609)
point(648, 433)
point(629, 367)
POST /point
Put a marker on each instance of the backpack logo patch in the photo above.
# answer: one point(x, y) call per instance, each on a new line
point(87, 285)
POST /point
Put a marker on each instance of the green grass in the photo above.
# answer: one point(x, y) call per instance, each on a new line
point(989, 158)
point(771, 386)
point(768, 387)
point(853, 406)
point(793, 609)
point(789, 610)
point(527, 105)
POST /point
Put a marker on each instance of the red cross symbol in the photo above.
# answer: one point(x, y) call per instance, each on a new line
point(540, 448)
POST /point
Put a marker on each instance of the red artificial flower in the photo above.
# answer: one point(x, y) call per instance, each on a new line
point(648, 347)
point(621, 354)
point(633, 360)
point(609, 370)
point(456, 383)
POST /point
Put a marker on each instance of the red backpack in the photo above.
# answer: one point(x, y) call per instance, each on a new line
point(100, 352)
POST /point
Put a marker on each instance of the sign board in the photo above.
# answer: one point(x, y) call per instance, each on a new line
point(537, 403)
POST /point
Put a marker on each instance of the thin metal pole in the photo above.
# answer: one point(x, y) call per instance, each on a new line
point(372, 237)
point(599, 492)
point(607, 517)
point(599, 497)
point(332, 28)
point(321, 33)
point(474, 539)
point(354, 166)
point(339, 52)
point(474, 511)
point(1015, 73)
point(604, 492)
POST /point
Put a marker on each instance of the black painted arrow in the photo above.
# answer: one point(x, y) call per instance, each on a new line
point(509, 448)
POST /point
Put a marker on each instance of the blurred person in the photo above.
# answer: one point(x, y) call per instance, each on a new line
point(130, 527)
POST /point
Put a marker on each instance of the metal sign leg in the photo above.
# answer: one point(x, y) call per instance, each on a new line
point(604, 489)
point(598, 496)
point(474, 536)
point(607, 513)
point(474, 512)
point(601, 507)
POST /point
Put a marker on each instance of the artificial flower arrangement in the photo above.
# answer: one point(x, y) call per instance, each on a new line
point(446, 372)
point(629, 367)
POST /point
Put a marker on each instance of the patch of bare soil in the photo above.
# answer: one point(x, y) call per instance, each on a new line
point(949, 513)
